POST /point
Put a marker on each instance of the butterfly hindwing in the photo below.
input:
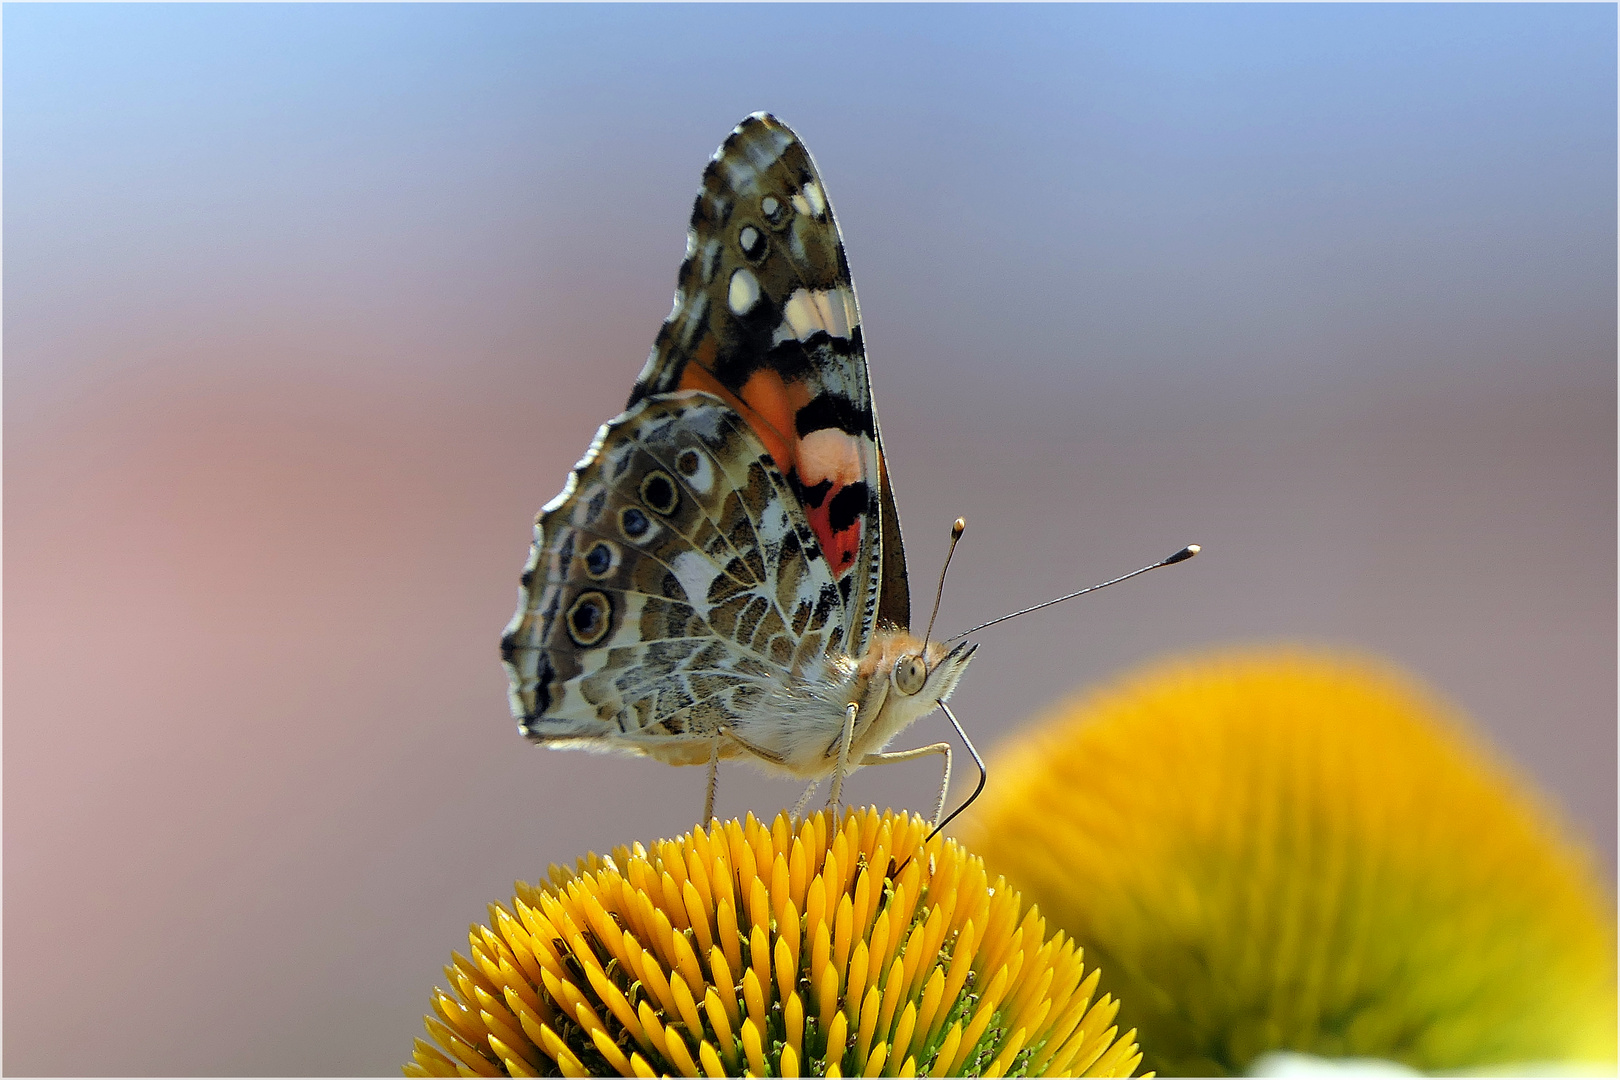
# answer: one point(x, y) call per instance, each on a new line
point(765, 318)
point(672, 587)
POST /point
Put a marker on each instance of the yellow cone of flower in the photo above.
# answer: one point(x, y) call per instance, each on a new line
point(743, 949)
point(1274, 850)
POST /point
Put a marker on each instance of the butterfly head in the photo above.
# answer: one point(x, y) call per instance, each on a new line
point(930, 671)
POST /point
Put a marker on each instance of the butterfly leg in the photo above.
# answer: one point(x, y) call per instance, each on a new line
point(940, 748)
point(843, 756)
point(714, 780)
point(804, 800)
point(907, 755)
point(757, 751)
point(903, 754)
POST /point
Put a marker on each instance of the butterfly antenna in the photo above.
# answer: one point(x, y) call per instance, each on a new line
point(1181, 556)
point(957, 528)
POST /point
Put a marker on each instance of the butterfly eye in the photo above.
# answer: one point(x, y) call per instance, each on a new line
point(588, 618)
point(658, 492)
point(909, 674)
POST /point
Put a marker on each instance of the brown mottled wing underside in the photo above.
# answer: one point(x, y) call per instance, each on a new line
point(672, 587)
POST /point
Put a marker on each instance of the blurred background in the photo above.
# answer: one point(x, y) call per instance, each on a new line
point(308, 309)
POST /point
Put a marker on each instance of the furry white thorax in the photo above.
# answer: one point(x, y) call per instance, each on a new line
point(801, 723)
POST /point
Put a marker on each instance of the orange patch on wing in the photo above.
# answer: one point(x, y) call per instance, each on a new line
point(767, 402)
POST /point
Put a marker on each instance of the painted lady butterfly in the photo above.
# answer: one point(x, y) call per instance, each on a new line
point(723, 575)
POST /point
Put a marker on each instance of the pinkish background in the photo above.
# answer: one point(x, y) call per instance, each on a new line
point(308, 309)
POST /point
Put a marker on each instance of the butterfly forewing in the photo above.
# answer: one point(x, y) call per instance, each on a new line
point(765, 318)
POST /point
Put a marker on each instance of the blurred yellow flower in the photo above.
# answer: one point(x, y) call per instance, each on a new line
point(1271, 850)
point(773, 951)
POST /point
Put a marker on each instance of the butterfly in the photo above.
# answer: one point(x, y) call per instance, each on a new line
point(723, 576)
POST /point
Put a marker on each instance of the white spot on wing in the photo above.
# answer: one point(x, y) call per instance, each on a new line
point(809, 310)
point(694, 320)
point(818, 202)
point(780, 140)
point(702, 479)
point(577, 520)
point(834, 312)
point(694, 572)
point(829, 454)
point(711, 259)
point(772, 528)
point(798, 318)
point(739, 174)
point(743, 293)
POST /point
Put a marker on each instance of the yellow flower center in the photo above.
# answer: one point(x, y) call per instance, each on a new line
point(746, 949)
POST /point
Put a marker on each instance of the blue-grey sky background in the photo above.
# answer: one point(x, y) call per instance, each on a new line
point(308, 308)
